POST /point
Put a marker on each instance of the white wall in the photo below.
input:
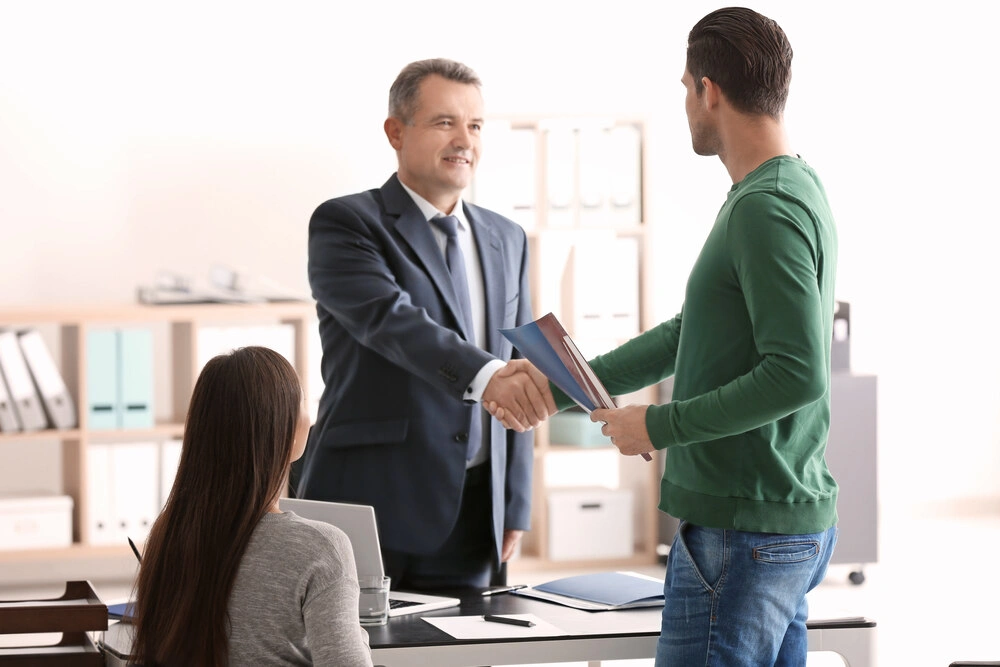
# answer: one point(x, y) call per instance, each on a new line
point(135, 137)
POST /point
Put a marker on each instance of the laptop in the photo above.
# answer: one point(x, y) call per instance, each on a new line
point(358, 522)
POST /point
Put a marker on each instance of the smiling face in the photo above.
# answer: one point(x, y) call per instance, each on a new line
point(438, 149)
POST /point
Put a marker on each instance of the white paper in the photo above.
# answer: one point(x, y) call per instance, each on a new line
point(47, 603)
point(474, 627)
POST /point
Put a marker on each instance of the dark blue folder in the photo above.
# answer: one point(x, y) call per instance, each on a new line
point(121, 612)
point(601, 591)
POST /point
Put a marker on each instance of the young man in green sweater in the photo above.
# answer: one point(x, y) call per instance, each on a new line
point(747, 427)
point(746, 430)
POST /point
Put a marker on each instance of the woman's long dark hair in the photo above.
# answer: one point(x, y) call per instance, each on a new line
point(238, 440)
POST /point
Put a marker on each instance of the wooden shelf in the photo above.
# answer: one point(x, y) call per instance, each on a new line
point(558, 237)
point(45, 434)
point(143, 313)
point(183, 323)
point(169, 430)
point(639, 230)
point(74, 552)
point(160, 431)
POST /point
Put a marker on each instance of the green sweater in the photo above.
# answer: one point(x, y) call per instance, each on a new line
point(750, 352)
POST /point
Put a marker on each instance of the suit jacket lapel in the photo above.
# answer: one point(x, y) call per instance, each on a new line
point(414, 229)
point(491, 260)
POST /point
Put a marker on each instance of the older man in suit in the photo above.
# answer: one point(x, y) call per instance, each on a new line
point(412, 286)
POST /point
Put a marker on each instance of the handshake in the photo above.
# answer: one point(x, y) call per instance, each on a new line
point(519, 397)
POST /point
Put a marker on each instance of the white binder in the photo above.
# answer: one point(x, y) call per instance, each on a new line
point(560, 145)
point(23, 396)
point(134, 489)
point(98, 515)
point(625, 153)
point(51, 387)
point(9, 423)
point(603, 304)
point(170, 458)
point(594, 168)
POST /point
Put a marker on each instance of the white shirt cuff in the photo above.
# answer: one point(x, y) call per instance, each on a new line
point(474, 392)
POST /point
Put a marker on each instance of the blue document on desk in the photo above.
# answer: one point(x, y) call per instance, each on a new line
point(120, 612)
point(602, 591)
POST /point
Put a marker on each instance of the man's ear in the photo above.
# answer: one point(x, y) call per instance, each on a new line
point(711, 93)
point(394, 131)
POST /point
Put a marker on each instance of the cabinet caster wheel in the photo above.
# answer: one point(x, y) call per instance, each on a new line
point(857, 577)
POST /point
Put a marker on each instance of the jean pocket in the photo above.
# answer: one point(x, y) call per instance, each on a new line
point(703, 553)
point(786, 552)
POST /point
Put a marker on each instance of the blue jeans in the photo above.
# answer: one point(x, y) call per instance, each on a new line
point(735, 598)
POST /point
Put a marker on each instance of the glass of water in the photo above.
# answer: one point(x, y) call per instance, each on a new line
point(374, 602)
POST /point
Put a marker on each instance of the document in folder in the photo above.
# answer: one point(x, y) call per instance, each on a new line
point(546, 344)
point(600, 591)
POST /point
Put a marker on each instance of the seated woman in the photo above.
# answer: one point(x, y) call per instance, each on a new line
point(226, 577)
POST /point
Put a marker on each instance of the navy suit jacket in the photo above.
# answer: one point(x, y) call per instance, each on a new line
point(392, 425)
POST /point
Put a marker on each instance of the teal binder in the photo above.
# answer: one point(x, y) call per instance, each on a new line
point(135, 364)
point(102, 378)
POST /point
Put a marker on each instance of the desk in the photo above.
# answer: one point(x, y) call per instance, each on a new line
point(409, 641)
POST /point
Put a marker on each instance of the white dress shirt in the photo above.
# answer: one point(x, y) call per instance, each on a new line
point(477, 292)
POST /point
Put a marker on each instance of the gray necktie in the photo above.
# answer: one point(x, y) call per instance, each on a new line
point(456, 266)
point(460, 281)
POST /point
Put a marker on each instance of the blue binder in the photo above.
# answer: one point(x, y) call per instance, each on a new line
point(135, 366)
point(102, 378)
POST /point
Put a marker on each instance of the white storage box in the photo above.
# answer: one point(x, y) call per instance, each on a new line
point(590, 523)
point(35, 522)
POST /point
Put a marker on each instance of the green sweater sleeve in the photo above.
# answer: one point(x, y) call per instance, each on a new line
point(772, 245)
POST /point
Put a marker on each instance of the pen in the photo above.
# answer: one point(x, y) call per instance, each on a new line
point(509, 621)
point(504, 589)
point(134, 550)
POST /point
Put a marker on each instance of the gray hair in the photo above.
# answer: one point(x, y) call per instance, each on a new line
point(406, 87)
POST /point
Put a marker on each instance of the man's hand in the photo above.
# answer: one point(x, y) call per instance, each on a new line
point(510, 540)
point(518, 396)
point(626, 427)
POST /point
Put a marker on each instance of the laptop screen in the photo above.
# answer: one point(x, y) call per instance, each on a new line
point(357, 521)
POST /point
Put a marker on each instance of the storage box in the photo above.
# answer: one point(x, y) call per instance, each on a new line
point(35, 522)
point(590, 523)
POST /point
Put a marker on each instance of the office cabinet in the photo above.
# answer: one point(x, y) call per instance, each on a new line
point(852, 456)
point(589, 523)
point(576, 186)
point(94, 450)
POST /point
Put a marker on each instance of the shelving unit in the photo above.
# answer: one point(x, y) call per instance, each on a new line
point(179, 345)
point(576, 185)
